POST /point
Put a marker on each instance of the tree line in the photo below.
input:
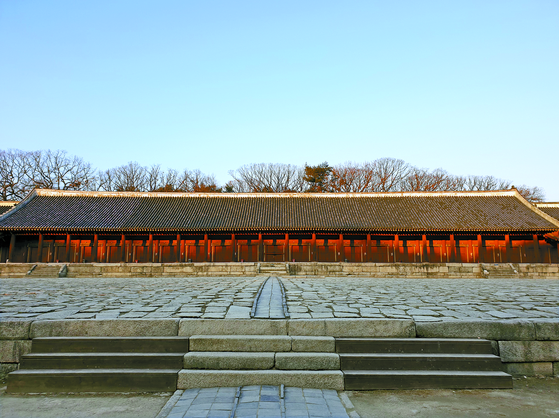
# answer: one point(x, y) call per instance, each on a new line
point(22, 171)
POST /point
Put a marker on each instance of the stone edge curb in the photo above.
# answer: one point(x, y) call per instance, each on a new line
point(166, 410)
point(504, 330)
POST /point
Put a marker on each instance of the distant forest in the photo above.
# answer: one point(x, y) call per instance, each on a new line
point(22, 171)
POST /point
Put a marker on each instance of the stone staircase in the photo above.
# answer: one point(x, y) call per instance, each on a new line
point(499, 271)
point(100, 364)
point(273, 269)
point(45, 270)
point(162, 364)
point(245, 360)
point(414, 363)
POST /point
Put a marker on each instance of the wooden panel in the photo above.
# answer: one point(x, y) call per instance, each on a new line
point(273, 252)
point(248, 252)
point(326, 253)
point(381, 251)
point(300, 253)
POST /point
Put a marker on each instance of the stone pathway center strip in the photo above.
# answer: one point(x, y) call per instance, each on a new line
point(270, 302)
point(258, 401)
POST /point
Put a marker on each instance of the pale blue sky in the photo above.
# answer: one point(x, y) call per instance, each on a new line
point(468, 86)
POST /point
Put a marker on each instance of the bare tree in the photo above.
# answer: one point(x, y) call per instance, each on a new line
point(131, 177)
point(531, 194)
point(389, 174)
point(14, 176)
point(268, 178)
point(352, 178)
point(58, 170)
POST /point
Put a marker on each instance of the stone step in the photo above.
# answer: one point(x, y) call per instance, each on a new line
point(110, 345)
point(318, 379)
point(425, 379)
point(102, 361)
point(261, 361)
point(88, 380)
point(413, 345)
point(46, 270)
point(457, 362)
point(241, 343)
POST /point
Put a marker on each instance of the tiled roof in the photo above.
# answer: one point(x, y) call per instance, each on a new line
point(421, 211)
point(6, 206)
point(551, 208)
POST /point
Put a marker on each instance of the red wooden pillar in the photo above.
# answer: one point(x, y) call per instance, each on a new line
point(40, 248)
point(341, 252)
point(480, 248)
point(396, 245)
point(471, 257)
point(94, 248)
point(452, 257)
point(122, 248)
point(536, 249)
point(205, 247)
point(369, 250)
point(424, 248)
point(233, 248)
point(68, 239)
point(178, 249)
point(260, 248)
point(508, 249)
point(313, 248)
point(286, 248)
point(150, 248)
point(12, 246)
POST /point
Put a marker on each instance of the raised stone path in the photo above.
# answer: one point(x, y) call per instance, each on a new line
point(271, 301)
point(257, 401)
point(227, 297)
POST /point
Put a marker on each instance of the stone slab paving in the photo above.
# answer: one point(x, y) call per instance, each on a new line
point(257, 402)
point(226, 297)
point(111, 298)
point(422, 299)
point(270, 302)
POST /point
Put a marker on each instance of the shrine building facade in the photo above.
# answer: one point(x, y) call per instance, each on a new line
point(407, 227)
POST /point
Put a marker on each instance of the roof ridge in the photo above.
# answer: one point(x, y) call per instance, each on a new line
point(80, 193)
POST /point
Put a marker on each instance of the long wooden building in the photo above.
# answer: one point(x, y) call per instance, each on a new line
point(112, 227)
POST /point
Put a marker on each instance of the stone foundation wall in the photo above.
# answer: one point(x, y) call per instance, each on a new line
point(526, 347)
point(381, 270)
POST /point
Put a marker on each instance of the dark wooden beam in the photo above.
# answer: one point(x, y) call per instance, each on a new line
point(536, 249)
point(341, 251)
point(94, 248)
point(12, 247)
point(369, 252)
point(233, 247)
point(40, 248)
point(452, 257)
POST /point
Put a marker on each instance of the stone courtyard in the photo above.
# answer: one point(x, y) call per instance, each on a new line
point(514, 301)
point(306, 298)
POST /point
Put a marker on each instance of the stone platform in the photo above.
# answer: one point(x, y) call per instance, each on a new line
point(519, 315)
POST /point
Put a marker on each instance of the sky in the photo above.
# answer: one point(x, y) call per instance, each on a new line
point(471, 87)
